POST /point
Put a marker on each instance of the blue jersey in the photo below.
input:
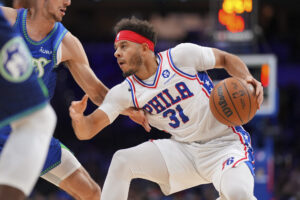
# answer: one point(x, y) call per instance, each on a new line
point(21, 91)
point(44, 55)
point(44, 52)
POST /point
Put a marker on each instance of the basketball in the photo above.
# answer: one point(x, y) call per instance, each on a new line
point(233, 102)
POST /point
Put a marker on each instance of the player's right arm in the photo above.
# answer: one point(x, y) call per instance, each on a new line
point(205, 58)
point(75, 58)
point(86, 127)
point(10, 14)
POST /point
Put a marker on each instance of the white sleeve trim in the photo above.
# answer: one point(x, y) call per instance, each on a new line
point(116, 101)
point(58, 55)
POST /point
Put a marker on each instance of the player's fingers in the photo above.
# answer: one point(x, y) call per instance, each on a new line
point(260, 100)
point(71, 112)
point(84, 99)
point(74, 104)
point(259, 88)
point(146, 125)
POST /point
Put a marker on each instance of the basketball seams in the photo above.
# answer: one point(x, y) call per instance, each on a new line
point(216, 108)
point(229, 103)
point(229, 95)
point(249, 99)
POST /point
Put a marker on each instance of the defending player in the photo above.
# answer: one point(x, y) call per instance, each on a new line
point(176, 97)
point(32, 119)
point(51, 44)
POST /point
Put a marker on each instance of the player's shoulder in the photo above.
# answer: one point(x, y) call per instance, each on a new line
point(69, 39)
point(185, 48)
point(122, 88)
point(10, 14)
point(70, 47)
point(120, 93)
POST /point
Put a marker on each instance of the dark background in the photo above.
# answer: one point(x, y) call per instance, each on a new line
point(276, 30)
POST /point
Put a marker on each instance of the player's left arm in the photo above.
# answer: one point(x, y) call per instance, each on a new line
point(77, 62)
point(74, 56)
point(237, 68)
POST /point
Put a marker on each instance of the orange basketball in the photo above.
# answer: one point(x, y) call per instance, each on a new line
point(233, 102)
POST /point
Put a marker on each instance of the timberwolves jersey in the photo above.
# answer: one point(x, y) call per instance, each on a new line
point(44, 52)
point(44, 59)
point(21, 91)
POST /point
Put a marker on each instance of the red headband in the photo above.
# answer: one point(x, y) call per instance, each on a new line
point(134, 37)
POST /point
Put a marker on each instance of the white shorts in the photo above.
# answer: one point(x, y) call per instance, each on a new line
point(192, 164)
point(68, 165)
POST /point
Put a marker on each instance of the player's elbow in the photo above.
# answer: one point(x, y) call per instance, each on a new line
point(97, 99)
point(98, 95)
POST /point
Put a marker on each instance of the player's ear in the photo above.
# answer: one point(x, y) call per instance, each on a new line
point(145, 47)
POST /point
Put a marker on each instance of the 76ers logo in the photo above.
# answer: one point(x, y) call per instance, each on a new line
point(15, 61)
point(228, 162)
point(166, 73)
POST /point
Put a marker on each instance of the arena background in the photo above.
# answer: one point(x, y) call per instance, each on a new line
point(274, 29)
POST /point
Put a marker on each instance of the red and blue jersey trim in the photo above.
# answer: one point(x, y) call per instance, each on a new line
point(133, 92)
point(245, 140)
point(204, 80)
point(157, 75)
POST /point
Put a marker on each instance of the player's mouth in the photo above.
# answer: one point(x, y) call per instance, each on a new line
point(63, 11)
point(121, 63)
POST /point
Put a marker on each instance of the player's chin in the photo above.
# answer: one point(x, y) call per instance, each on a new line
point(59, 18)
point(128, 73)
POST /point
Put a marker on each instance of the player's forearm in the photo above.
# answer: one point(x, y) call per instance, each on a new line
point(86, 127)
point(81, 128)
point(89, 82)
point(236, 67)
point(98, 93)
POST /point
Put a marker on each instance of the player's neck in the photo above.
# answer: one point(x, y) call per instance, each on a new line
point(149, 69)
point(38, 26)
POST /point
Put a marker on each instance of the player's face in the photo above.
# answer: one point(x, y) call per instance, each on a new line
point(128, 56)
point(56, 9)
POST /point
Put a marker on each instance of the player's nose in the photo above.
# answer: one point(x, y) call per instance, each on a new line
point(117, 53)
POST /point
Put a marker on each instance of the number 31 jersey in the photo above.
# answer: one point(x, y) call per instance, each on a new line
point(176, 98)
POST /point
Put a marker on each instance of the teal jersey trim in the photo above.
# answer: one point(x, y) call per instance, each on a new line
point(22, 114)
point(28, 39)
point(50, 168)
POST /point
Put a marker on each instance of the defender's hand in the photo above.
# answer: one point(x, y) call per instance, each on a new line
point(78, 107)
point(258, 89)
point(139, 117)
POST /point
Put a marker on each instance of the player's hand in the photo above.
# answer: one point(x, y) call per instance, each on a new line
point(139, 117)
point(78, 107)
point(258, 89)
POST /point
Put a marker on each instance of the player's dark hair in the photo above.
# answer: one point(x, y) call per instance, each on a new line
point(141, 27)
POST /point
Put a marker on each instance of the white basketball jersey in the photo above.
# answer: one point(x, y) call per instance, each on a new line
point(176, 98)
point(178, 101)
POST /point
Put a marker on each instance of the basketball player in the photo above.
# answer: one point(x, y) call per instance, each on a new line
point(32, 119)
point(50, 44)
point(174, 89)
